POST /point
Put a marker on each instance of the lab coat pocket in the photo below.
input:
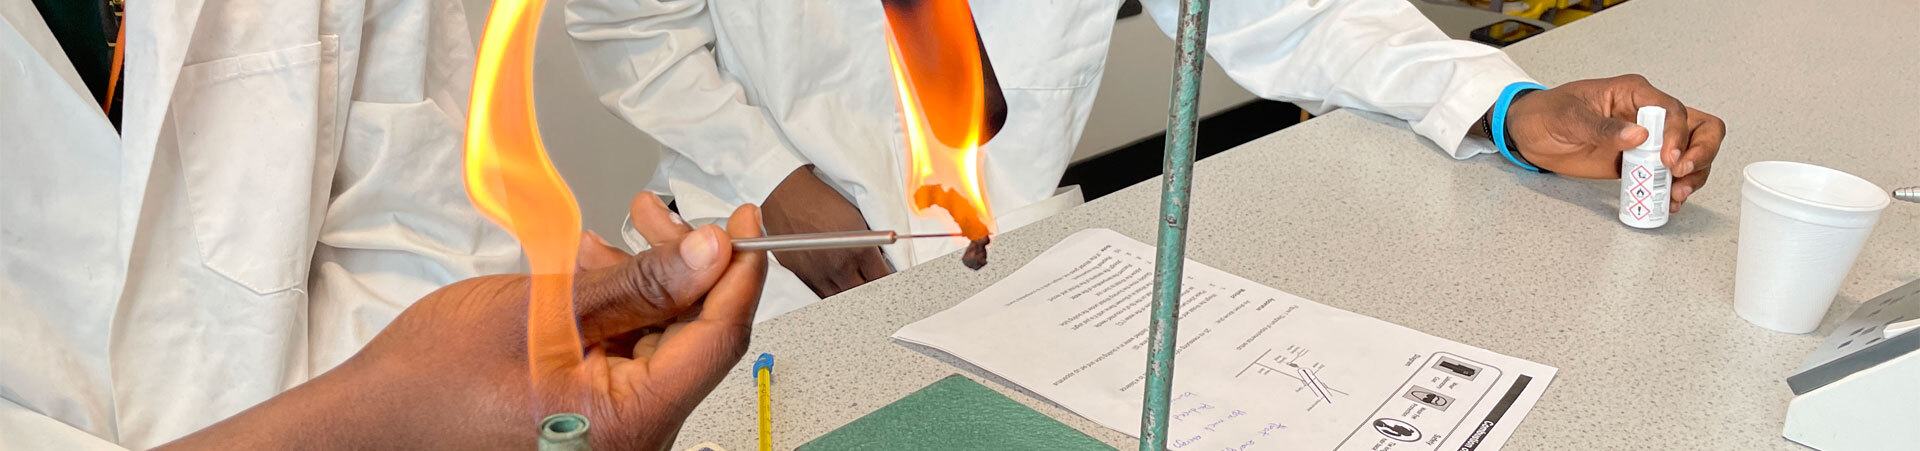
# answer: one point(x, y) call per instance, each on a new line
point(332, 102)
point(247, 133)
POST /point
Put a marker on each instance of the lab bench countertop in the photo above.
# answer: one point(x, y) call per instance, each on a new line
point(1368, 218)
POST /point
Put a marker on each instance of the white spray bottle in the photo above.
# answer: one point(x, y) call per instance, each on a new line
point(1645, 184)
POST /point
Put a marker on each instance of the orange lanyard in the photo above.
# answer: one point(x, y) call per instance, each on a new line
point(119, 56)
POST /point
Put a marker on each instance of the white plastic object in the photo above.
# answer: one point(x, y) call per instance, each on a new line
point(1645, 184)
point(1801, 226)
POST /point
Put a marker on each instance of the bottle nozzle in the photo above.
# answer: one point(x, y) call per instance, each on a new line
point(1909, 194)
point(1654, 119)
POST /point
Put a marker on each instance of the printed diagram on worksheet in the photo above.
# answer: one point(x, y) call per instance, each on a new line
point(1290, 364)
point(1255, 367)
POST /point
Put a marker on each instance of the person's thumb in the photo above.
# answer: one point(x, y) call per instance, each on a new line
point(1608, 133)
point(651, 288)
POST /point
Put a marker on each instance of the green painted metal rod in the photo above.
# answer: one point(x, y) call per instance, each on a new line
point(1183, 126)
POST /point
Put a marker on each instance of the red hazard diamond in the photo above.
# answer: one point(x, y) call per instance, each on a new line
point(1641, 174)
point(1640, 193)
point(1639, 210)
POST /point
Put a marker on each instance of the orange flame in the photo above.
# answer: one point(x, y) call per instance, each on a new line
point(950, 104)
point(510, 179)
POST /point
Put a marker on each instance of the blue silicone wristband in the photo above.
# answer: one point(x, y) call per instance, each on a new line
point(1499, 125)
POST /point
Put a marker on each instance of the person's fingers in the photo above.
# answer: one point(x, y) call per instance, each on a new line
point(1572, 134)
point(672, 330)
point(643, 350)
point(736, 296)
point(846, 272)
point(653, 220)
point(1609, 134)
point(1684, 187)
point(692, 360)
point(1704, 145)
point(800, 264)
point(873, 265)
point(1591, 143)
point(595, 253)
point(827, 271)
point(1640, 92)
point(1676, 135)
point(652, 287)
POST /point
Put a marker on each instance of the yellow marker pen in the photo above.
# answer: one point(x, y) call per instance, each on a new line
point(763, 376)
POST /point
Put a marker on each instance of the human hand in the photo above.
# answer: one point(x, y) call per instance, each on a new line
point(805, 204)
point(1579, 129)
point(659, 331)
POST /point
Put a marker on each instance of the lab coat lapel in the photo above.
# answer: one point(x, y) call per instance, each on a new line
point(22, 18)
point(158, 33)
point(56, 182)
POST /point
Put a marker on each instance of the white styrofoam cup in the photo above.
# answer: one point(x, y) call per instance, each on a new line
point(1801, 226)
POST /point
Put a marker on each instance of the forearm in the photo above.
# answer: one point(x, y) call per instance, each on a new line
point(328, 412)
point(310, 415)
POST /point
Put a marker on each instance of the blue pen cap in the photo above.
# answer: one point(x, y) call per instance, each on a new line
point(764, 361)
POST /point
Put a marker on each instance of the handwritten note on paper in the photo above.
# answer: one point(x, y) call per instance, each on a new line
point(1189, 409)
point(1256, 368)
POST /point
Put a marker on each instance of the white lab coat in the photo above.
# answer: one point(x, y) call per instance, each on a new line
point(743, 91)
point(287, 181)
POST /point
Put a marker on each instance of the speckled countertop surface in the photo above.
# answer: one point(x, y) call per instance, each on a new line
point(1365, 217)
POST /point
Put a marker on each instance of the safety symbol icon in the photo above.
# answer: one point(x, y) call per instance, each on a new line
point(1640, 193)
point(1641, 174)
point(1427, 396)
point(1396, 429)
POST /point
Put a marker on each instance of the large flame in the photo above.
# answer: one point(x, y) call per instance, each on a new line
point(950, 104)
point(511, 180)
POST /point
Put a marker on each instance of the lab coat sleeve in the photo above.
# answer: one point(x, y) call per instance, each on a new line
point(653, 65)
point(1380, 56)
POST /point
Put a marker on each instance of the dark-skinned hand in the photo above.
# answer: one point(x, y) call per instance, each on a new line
point(1579, 129)
point(804, 204)
point(660, 330)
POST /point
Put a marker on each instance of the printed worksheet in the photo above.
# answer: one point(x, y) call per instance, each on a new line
point(1256, 368)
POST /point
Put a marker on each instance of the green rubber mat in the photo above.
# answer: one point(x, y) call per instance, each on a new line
point(955, 413)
